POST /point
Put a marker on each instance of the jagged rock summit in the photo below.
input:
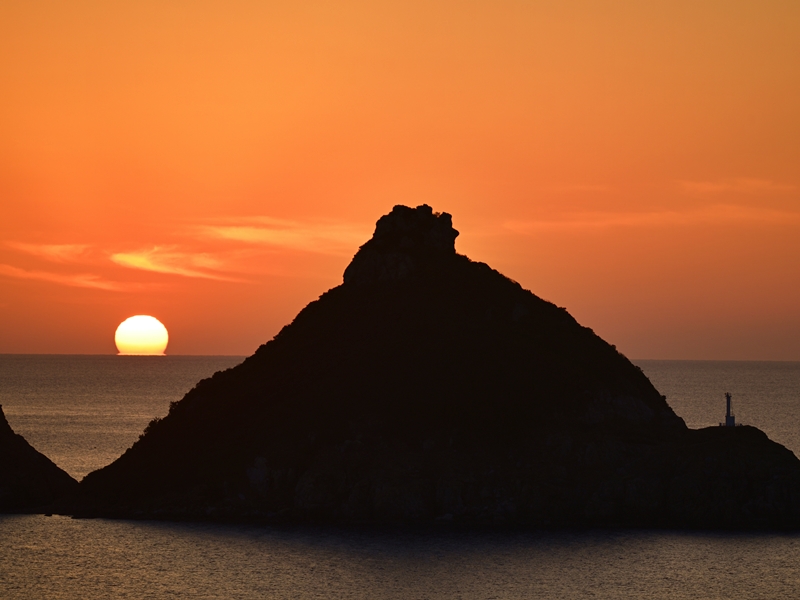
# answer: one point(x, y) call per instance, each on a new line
point(28, 479)
point(428, 386)
point(405, 241)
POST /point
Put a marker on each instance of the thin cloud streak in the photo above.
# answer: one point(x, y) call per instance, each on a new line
point(53, 252)
point(569, 188)
point(326, 238)
point(707, 215)
point(167, 260)
point(739, 185)
point(83, 280)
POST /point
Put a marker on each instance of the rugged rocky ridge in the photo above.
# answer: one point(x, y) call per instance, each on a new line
point(428, 386)
point(28, 479)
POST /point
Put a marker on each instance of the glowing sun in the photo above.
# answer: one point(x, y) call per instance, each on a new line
point(141, 334)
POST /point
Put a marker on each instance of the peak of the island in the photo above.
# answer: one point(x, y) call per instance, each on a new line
point(404, 241)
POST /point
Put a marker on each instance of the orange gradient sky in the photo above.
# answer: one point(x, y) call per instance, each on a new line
point(217, 164)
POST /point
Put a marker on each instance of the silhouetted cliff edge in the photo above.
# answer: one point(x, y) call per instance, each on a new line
point(28, 479)
point(428, 386)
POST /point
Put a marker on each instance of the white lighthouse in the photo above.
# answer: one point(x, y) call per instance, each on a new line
point(730, 420)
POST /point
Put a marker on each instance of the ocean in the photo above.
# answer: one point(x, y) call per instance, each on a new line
point(84, 411)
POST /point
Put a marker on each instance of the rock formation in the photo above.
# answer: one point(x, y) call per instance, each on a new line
point(28, 479)
point(428, 386)
point(404, 241)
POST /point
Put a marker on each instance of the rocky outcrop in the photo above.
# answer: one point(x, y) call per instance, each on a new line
point(28, 479)
point(405, 241)
point(428, 386)
point(732, 477)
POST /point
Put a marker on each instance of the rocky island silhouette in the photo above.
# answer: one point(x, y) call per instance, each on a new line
point(430, 388)
point(28, 479)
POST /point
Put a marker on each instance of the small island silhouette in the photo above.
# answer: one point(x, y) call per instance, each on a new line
point(29, 481)
point(430, 388)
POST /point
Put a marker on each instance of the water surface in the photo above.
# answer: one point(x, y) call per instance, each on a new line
point(84, 411)
point(59, 557)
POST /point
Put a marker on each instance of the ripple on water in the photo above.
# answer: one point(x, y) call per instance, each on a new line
point(58, 557)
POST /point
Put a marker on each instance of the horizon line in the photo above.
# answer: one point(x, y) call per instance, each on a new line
point(251, 354)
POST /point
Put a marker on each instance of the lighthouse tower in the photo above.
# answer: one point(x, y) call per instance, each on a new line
point(730, 420)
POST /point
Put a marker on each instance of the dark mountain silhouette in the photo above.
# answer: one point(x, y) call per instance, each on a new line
point(430, 386)
point(28, 479)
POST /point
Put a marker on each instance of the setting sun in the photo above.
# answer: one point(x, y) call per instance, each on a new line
point(141, 335)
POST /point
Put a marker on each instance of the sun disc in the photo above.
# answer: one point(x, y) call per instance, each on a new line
point(141, 335)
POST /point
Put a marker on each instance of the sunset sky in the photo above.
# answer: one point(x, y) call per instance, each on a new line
point(217, 164)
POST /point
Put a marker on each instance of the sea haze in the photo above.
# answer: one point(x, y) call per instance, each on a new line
point(83, 411)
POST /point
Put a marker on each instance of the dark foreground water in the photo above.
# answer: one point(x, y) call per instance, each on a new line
point(58, 557)
point(84, 411)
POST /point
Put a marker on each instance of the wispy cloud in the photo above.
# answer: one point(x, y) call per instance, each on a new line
point(84, 280)
point(740, 185)
point(167, 259)
point(569, 188)
point(328, 238)
point(720, 213)
point(54, 252)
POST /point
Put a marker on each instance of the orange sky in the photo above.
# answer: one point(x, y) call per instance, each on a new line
point(216, 164)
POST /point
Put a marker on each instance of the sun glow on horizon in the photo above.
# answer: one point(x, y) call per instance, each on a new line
point(141, 335)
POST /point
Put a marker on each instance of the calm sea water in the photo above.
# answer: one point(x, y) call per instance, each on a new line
point(84, 411)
